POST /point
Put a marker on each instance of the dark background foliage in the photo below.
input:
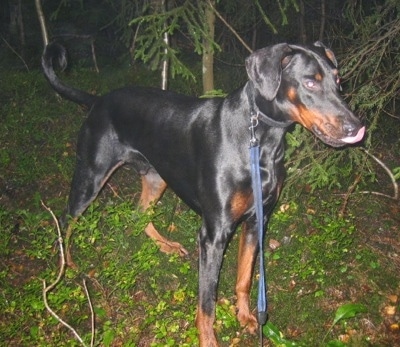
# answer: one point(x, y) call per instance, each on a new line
point(333, 239)
point(364, 36)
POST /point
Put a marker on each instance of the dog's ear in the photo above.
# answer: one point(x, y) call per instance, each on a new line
point(264, 68)
point(329, 53)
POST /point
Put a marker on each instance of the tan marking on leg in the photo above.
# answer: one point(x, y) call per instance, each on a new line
point(243, 283)
point(240, 202)
point(165, 245)
point(204, 324)
point(152, 191)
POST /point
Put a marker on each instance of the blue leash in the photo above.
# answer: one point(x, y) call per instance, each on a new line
point(262, 303)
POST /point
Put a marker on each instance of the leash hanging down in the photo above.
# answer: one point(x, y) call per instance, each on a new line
point(262, 303)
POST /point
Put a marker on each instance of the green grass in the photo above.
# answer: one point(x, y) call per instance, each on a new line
point(322, 274)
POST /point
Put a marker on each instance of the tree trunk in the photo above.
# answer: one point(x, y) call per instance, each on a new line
point(21, 28)
point(165, 62)
point(42, 22)
point(16, 26)
point(303, 34)
point(208, 52)
point(323, 20)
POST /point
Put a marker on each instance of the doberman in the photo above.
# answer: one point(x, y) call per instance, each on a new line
point(199, 147)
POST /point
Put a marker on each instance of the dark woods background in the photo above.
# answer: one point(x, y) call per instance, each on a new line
point(318, 262)
point(118, 34)
point(258, 22)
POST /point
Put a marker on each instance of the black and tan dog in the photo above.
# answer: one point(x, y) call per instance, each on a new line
point(199, 148)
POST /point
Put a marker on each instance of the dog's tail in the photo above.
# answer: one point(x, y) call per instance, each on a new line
point(55, 51)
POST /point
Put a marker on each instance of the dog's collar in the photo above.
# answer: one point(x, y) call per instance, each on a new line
point(256, 113)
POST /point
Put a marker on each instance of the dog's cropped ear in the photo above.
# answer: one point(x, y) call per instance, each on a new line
point(264, 68)
point(329, 53)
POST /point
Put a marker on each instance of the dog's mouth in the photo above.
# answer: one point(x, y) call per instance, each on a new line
point(356, 138)
point(338, 142)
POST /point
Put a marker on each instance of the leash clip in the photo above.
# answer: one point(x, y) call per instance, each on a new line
point(252, 128)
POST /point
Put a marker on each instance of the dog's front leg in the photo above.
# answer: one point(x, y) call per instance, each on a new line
point(212, 244)
point(248, 250)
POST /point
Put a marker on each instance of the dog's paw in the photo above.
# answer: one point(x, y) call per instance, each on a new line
point(248, 321)
point(170, 247)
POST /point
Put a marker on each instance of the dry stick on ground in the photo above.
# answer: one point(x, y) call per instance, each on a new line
point(348, 194)
point(49, 288)
point(94, 56)
point(392, 178)
point(358, 178)
point(92, 316)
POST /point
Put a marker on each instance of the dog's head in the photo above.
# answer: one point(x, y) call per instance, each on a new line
point(302, 85)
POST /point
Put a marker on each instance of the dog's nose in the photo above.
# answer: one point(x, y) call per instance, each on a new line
point(350, 129)
point(353, 133)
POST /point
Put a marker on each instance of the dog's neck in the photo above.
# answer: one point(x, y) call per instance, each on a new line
point(256, 112)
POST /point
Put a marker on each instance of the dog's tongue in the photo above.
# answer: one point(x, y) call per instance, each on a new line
point(357, 138)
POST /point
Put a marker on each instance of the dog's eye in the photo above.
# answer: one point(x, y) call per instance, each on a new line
point(311, 84)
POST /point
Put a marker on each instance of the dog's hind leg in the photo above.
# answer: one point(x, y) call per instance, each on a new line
point(153, 187)
point(86, 184)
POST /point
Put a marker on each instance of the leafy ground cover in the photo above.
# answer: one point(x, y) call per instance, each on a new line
point(333, 281)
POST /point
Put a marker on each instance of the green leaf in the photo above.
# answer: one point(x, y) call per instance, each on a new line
point(396, 173)
point(108, 337)
point(34, 331)
point(273, 333)
point(348, 311)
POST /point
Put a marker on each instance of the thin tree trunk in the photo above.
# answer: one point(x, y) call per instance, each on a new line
point(165, 62)
point(303, 34)
point(16, 26)
point(323, 20)
point(42, 22)
point(21, 28)
point(208, 53)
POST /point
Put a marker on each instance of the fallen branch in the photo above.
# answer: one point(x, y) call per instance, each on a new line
point(61, 272)
point(348, 194)
point(94, 56)
point(351, 189)
point(390, 174)
point(358, 178)
point(92, 316)
point(61, 247)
